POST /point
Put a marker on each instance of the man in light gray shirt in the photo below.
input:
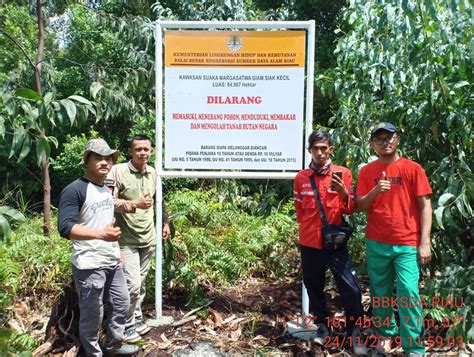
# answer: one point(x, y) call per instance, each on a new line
point(86, 216)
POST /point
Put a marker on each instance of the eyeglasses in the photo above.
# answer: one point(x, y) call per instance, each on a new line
point(387, 139)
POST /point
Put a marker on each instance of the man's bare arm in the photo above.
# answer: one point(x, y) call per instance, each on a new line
point(424, 250)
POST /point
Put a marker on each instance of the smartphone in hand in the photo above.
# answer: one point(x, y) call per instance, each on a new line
point(338, 174)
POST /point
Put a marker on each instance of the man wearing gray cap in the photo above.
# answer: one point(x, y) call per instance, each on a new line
point(86, 216)
point(395, 193)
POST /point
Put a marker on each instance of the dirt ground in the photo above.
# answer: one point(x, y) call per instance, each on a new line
point(245, 319)
point(249, 320)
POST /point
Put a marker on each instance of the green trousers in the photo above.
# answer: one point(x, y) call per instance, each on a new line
point(385, 262)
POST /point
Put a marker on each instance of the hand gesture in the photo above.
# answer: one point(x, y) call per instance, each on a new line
point(111, 233)
point(383, 185)
point(144, 202)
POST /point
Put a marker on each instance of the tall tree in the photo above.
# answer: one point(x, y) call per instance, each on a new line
point(42, 133)
point(410, 63)
point(26, 117)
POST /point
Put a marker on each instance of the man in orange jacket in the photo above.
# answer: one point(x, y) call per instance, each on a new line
point(336, 199)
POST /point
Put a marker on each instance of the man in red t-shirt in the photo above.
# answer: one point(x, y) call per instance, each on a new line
point(395, 193)
point(336, 198)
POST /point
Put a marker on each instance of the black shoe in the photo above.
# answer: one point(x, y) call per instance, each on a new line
point(358, 342)
point(321, 333)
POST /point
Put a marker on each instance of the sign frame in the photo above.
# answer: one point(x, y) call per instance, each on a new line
point(161, 26)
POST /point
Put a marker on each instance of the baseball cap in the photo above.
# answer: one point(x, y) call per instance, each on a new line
point(99, 146)
point(383, 126)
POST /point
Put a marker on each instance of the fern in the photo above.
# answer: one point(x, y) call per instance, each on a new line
point(23, 342)
point(220, 239)
point(31, 263)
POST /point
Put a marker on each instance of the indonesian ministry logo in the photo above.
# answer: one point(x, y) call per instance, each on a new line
point(234, 43)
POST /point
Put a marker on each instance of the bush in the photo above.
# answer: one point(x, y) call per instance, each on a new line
point(455, 283)
point(66, 166)
point(217, 244)
point(32, 264)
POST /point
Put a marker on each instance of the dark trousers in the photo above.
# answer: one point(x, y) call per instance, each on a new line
point(94, 287)
point(314, 263)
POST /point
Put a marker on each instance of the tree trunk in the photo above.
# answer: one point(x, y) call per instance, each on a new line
point(42, 134)
point(62, 331)
point(46, 190)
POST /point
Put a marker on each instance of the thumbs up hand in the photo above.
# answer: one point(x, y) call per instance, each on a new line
point(383, 185)
point(111, 233)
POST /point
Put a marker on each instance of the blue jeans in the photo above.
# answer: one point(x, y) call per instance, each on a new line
point(96, 286)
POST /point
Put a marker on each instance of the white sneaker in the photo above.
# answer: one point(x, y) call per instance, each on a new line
point(131, 336)
point(141, 328)
point(124, 350)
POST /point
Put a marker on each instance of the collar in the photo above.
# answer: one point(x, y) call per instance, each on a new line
point(309, 172)
point(148, 168)
point(323, 170)
point(85, 179)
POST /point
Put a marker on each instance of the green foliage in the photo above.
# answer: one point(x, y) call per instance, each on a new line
point(66, 167)
point(224, 10)
point(32, 265)
point(21, 344)
point(409, 62)
point(15, 345)
point(116, 62)
point(16, 21)
point(403, 61)
point(217, 244)
point(144, 126)
point(8, 214)
point(106, 54)
point(26, 114)
point(455, 282)
point(356, 244)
